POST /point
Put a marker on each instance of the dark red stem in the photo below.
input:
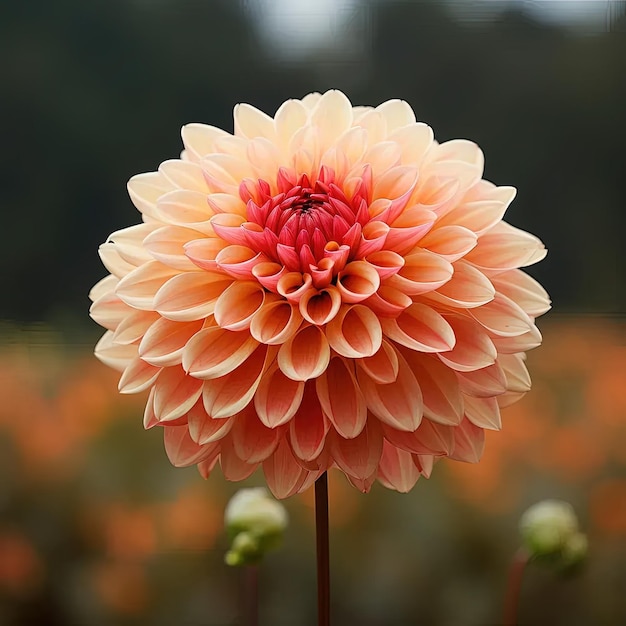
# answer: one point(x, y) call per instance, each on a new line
point(251, 602)
point(323, 564)
point(514, 587)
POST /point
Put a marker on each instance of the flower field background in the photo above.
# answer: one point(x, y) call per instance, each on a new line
point(98, 528)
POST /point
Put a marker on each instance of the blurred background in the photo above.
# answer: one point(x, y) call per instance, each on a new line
point(96, 528)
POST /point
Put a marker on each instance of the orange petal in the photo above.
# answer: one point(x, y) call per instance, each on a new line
point(386, 263)
point(283, 474)
point(254, 442)
point(275, 322)
point(182, 450)
point(319, 307)
point(449, 242)
point(229, 394)
point(397, 470)
point(308, 427)
point(467, 288)
point(483, 412)
point(269, 274)
point(483, 383)
point(341, 399)
point(473, 349)
point(443, 402)
point(399, 403)
point(107, 309)
point(239, 261)
point(502, 317)
point(175, 393)
point(305, 355)
point(233, 467)
point(164, 342)
point(514, 368)
point(203, 252)
point(421, 328)
point(117, 356)
point(133, 327)
point(429, 438)
point(520, 343)
point(138, 376)
point(237, 305)
point(215, 352)
point(523, 290)
point(358, 456)
point(190, 296)
point(357, 281)
point(388, 301)
point(469, 442)
point(355, 332)
point(422, 272)
point(278, 398)
point(139, 288)
point(204, 429)
point(293, 285)
point(167, 245)
point(381, 367)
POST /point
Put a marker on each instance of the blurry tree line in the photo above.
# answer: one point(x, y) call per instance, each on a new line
point(94, 92)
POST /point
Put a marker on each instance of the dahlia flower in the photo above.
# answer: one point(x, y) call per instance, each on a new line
point(327, 288)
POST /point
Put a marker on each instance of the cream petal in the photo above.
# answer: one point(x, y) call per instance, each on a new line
point(359, 456)
point(483, 412)
point(275, 322)
point(227, 395)
point(320, 306)
point(355, 332)
point(396, 469)
point(108, 310)
point(226, 203)
point(237, 305)
point(204, 429)
point(129, 242)
point(469, 442)
point(138, 289)
point(341, 399)
point(473, 349)
point(252, 440)
point(449, 242)
point(203, 252)
point(224, 172)
point(483, 383)
point(290, 117)
point(375, 125)
point(188, 209)
point(190, 296)
point(265, 157)
point(175, 393)
point(459, 150)
point(104, 287)
point(214, 352)
point(149, 418)
point(199, 139)
point(277, 398)
point(478, 215)
point(305, 355)
point(422, 272)
point(145, 190)
point(421, 328)
point(383, 156)
point(524, 290)
point(163, 343)
point(184, 175)
point(415, 140)
point(395, 182)
point(168, 245)
point(515, 372)
point(505, 247)
point(441, 394)
point(520, 343)
point(357, 281)
point(502, 317)
point(308, 427)
point(467, 288)
point(114, 355)
point(283, 474)
point(138, 376)
point(134, 326)
point(381, 367)
point(331, 117)
point(113, 261)
point(397, 114)
point(182, 450)
point(251, 123)
point(398, 404)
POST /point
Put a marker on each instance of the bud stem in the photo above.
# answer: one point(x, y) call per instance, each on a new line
point(323, 565)
point(251, 594)
point(514, 587)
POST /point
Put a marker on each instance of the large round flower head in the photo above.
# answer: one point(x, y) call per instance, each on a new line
point(330, 287)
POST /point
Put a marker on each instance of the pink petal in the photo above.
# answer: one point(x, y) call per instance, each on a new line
point(254, 442)
point(234, 468)
point(182, 450)
point(283, 474)
point(308, 427)
point(409, 229)
point(358, 456)
point(237, 305)
point(397, 470)
point(238, 261)
point(421, 328)
point(467, 288)
point(355, 332)
point(138, 376)
point(277, 398)
point(483, 412)
point(175, 393)
point(523, 290)
point(341, 399)
point(398, 404)
point(269, 274)
point(483, 383)
point(305, 355)
point(229, 394)
point(204, 429)
point(423, 271)
point(275, 322)
point(319, 307)
point(373, 238)
point(139, 288)
point(164, 342)
point(227, 226)
point(190, 296)
point(357, 281)
point(469, 442)
point(381, 367)
point(473, 349)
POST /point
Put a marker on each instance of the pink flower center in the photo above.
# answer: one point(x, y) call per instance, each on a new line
point(306, 226)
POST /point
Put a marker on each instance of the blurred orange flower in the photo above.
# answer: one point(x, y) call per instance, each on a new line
point(330, 287)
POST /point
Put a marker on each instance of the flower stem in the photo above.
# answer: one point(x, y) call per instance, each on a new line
point(251, 595)
point(514, 587)
point(323, 564)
